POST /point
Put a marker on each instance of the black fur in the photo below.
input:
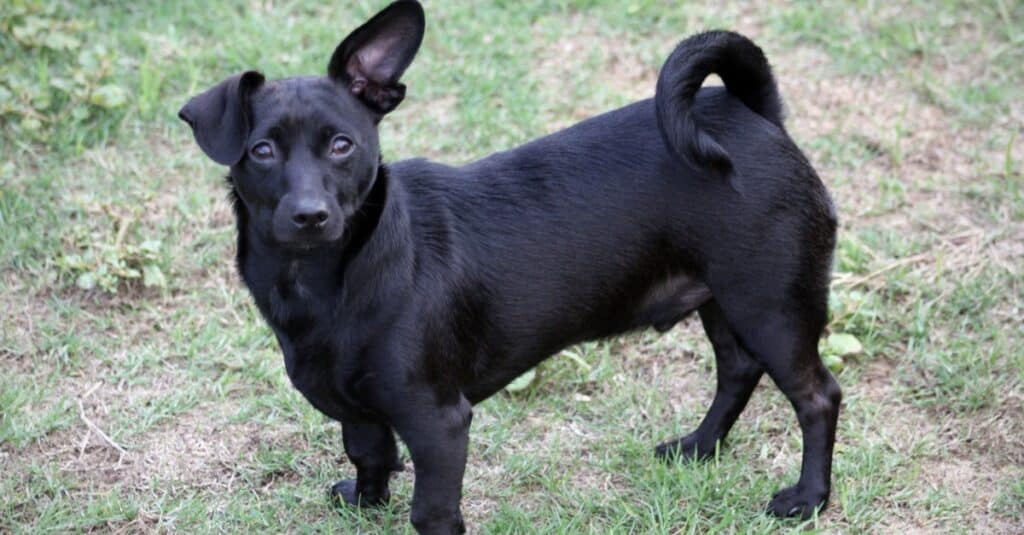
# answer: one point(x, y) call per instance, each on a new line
point(747, 76)
point(419, 289)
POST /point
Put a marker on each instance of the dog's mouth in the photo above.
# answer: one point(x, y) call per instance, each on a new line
point(310, 243)
point(304, 245)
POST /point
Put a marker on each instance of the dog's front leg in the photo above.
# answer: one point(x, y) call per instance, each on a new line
point(371, 448)
point(437, 436)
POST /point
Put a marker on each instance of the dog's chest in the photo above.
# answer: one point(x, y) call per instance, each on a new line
point(320, 359)
point(330, 380)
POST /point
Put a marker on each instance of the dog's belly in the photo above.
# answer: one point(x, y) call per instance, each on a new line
point(668, 302)
point(663, 305)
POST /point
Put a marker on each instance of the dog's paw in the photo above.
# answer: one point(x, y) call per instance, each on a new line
point(686, 449)
point(441, 525)
point(797, 501)
point(345, 490)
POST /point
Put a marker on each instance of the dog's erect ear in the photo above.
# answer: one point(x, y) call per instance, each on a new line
point(373, 57)
point(219, 117)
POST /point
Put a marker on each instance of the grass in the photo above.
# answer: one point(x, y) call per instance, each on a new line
point(121, 313)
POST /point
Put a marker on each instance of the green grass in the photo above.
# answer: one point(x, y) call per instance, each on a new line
point(120, 309)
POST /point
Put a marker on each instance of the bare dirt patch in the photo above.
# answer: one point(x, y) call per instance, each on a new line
point(200, 448)
point(20, 315)
point(933, 458)
point(564, 67)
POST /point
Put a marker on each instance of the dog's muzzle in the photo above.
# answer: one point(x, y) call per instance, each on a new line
point(306, 220)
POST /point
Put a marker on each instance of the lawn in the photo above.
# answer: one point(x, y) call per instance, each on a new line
point(141, 392)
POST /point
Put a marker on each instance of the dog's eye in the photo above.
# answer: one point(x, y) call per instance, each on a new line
point(340, 146)
point(262, 151)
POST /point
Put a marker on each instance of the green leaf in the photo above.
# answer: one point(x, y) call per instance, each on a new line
point(153, 276)
point(27, 30)
point(109, 96)
point(41, 100)
point(73, 261)
point(61, 41)
point(833, 362)
point(523, 381)
point(127, 273)
point(87, 61)
point(86, 281)
point(31, 124)
point(151, 246)
point(843, 344)
point(62, 84)
point(80, 113)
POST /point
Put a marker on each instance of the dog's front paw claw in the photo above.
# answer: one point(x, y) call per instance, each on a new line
point(346, 490)
point(797, 501)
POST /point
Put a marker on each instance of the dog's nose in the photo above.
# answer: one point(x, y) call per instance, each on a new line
point(310, 213)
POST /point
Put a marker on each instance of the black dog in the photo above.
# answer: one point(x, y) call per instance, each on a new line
point(401, 295)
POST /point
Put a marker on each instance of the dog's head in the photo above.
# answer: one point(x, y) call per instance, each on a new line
point(304, 151)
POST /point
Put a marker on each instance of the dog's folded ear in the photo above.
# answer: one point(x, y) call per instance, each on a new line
point(219, 117)
point(373, 57)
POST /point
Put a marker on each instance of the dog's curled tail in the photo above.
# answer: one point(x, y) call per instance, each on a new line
point(747, 76)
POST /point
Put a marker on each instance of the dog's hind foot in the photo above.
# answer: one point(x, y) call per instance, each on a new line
point(689, 448)
point(797, 501)
point(345, 490)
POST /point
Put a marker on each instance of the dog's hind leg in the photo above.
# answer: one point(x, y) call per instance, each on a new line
point(784, 339)
point(737, 373)
point(372, 449)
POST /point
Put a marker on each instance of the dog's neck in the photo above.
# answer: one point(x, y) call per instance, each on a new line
point(282, 281)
